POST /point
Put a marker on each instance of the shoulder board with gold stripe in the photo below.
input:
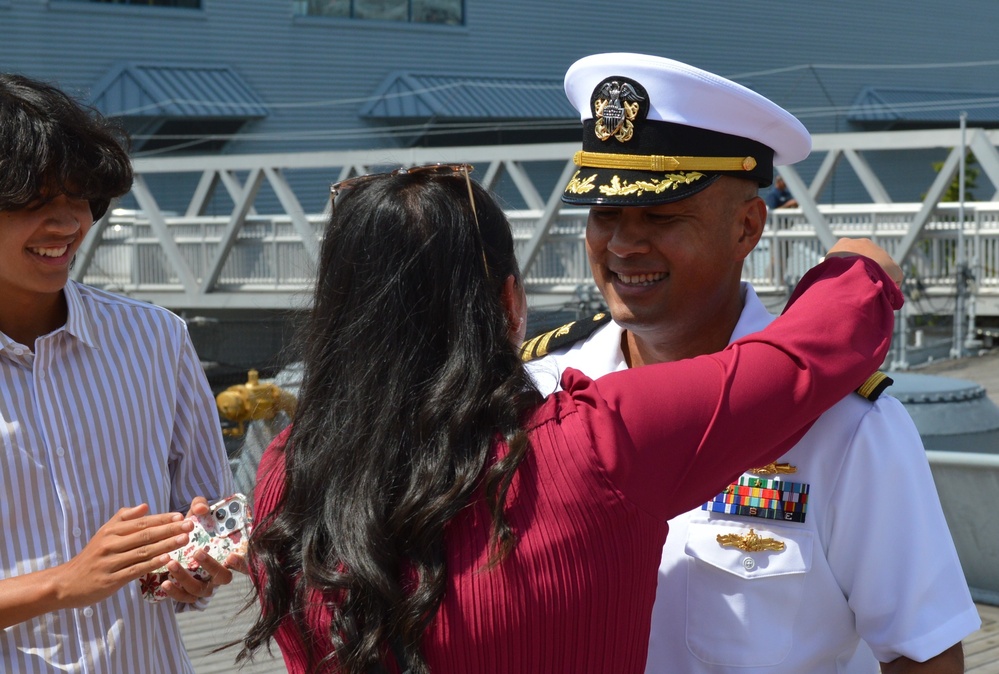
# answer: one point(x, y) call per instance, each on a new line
point(568, 334)
point(874, 386)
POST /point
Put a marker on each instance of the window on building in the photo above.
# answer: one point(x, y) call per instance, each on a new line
point(449, 12)
point(188, 4)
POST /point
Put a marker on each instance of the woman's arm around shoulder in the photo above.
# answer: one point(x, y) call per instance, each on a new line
point(673, 435)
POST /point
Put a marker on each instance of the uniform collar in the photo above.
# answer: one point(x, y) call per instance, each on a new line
point(606, 343)
point(754, 316)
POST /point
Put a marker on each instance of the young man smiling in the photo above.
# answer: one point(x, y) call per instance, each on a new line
point(37, 244)
point(105, 416)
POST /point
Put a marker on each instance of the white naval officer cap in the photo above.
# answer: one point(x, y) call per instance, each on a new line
point(657, 130)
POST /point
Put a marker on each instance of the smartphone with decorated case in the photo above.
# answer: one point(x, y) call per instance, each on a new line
point(223, 531)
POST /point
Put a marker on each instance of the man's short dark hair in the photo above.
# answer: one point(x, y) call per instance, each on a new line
point(50, 144)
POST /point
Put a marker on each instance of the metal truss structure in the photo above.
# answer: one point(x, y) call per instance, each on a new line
point(252, 260)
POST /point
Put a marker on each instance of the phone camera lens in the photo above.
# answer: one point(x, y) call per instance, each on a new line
point(220, 515)
point(234, 507)
point(230, 523)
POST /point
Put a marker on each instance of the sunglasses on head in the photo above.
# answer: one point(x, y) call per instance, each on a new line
point(435, 170)
point(440, 169)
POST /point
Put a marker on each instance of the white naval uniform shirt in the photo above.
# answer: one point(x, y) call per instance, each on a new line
point(110, 410)
point(873, 562)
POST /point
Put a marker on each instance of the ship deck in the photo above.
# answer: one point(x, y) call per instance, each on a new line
point(981, 649)
point(204, 632)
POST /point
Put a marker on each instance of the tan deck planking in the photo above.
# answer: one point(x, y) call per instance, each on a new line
point(205, 631)
point(981, 649)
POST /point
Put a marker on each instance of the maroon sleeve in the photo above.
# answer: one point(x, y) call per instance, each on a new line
point(671, 436)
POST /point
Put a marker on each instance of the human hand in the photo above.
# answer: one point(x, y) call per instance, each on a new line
point(846, 247)
point(129, 545)
point(183, 585)
point(238, 563)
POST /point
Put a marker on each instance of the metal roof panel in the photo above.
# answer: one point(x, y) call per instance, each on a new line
point(142, 90)
point(925, 106)
point(413, 95)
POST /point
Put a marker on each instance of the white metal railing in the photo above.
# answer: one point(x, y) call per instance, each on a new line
point(247, 259)
point(268, 253)
point(790, 246)
point(964, 481)
point(267, 262)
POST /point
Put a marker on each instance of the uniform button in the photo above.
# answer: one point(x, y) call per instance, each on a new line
point(749, 563)
point(88, 612)
point(18, 351)
point(60, 451)
point(41, 374)
point(77, 532)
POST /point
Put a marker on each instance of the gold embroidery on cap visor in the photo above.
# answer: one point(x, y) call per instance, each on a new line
point(621, 188)
point(683, 172)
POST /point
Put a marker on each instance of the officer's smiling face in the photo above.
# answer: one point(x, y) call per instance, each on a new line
point(674, 267)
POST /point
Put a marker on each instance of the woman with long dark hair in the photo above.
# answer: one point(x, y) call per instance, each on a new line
point(429, 510)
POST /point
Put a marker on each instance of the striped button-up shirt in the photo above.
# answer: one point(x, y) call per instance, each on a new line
point(111, 410)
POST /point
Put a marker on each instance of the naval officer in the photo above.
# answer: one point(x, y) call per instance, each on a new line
point(836, 558)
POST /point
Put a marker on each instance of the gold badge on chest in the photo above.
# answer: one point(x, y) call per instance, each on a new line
point(774, 469)
point(749, 542)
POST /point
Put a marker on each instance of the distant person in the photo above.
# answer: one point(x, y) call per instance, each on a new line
point(779, 196)
point(429, 509)
point(839, 547)
point(107, 424)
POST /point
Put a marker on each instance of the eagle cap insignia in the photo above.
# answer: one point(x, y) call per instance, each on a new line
point(616, 105)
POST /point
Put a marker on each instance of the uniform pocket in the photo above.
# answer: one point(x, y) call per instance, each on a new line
point(741, 605)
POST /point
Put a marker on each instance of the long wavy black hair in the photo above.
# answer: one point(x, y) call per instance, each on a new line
point(50, 144)
point(410, 378)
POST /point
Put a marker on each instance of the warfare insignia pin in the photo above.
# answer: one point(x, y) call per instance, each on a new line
point(774, 469)
point(750, 542)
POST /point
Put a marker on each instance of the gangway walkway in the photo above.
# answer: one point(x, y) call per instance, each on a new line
point(189, 259)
